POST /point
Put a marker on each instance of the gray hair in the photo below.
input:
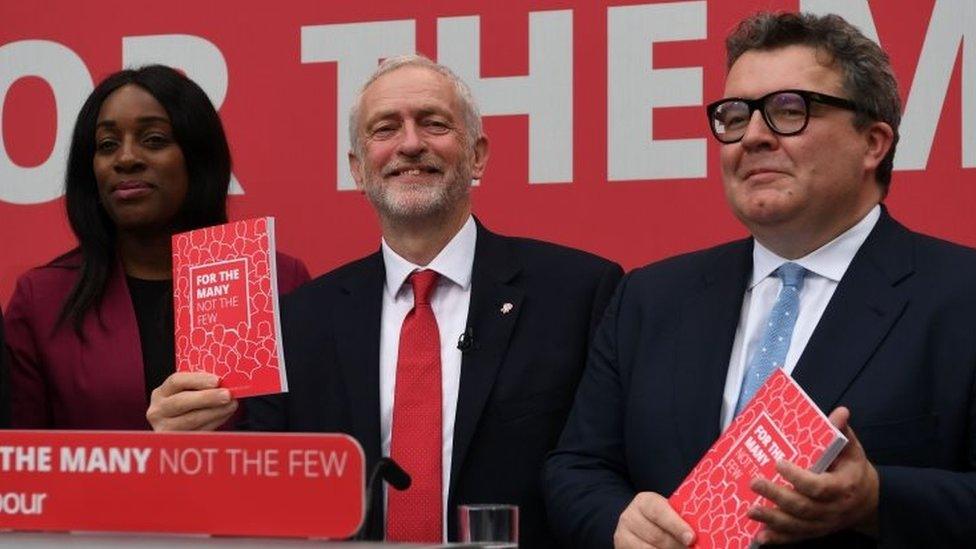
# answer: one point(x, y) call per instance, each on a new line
point(867, 74)
point(469, 109)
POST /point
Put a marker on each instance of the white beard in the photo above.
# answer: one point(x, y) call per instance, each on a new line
point(404, 203)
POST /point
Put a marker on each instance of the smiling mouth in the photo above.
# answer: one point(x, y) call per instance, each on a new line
point(414, 171)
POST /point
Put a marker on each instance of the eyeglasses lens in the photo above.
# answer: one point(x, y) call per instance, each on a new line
point(787, 112)
point(729, 120)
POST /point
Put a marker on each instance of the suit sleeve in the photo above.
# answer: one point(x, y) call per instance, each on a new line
point(604, 292)
point(585, 480)
point(265, 413)
point(927, 507)
point(28, 391)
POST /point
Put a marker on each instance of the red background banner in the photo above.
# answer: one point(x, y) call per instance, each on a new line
point(589, 179)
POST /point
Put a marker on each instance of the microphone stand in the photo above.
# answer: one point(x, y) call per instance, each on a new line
point(394, 475)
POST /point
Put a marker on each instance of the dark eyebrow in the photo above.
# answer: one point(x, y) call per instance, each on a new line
point(143, 120)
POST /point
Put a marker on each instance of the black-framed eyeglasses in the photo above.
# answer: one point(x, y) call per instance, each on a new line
point(786, 112)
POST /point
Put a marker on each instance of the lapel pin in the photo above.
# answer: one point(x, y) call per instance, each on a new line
point(507, 308)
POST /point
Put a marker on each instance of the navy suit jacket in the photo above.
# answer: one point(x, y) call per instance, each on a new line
point(896, 345)
point(517, 382)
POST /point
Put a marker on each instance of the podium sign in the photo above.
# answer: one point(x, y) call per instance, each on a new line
point(294, 485)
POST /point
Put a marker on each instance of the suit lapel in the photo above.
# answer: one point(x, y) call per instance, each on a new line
point(706, 332)
point(860, 314)
point(493, 284)
point(357, 331)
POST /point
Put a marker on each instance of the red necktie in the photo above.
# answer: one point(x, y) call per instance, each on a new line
point(415, 514)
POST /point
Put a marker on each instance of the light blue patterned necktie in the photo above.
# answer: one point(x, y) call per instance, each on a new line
point(775, 341)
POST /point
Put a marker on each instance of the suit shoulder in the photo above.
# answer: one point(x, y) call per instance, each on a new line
point(292, 272)
point(532, 251)
point(290, 262)
point(61, 270)
point(944, 268)
point(930, 248)
point(659, 288)
point(688, 267)
point(44, 288)
point(332, 281)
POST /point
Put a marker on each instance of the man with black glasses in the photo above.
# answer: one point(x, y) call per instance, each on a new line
point(882, 336)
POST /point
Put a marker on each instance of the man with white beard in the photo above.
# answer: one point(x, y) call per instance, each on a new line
point(469, 389)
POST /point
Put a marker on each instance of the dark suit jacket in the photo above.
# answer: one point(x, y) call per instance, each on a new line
point(517, 382)
point(896, 345)
point(61, 381)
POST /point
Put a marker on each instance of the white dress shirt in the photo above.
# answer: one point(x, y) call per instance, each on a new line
point(450, 301)
point(826, 266)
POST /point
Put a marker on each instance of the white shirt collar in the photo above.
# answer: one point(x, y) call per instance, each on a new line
point(829, 261)
point(454, 262)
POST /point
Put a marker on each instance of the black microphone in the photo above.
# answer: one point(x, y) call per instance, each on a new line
point(394, 475)
point(466, 340)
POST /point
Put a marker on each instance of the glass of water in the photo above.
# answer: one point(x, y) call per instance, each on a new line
point(493, 526)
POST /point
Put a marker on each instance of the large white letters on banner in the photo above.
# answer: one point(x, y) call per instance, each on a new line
point(356, 47)
point(545, 94)
point(197, 57)
point(855, 12)
point(947, 29)
point(952, 22)
point(71, 83)
point(635, 88)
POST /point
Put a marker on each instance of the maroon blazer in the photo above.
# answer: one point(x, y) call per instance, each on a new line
point(61, 381)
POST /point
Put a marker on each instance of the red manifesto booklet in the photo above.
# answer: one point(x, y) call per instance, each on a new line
point(781, 422)
point(225, 304)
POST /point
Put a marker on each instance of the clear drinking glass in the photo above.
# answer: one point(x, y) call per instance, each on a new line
point(493, 526)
